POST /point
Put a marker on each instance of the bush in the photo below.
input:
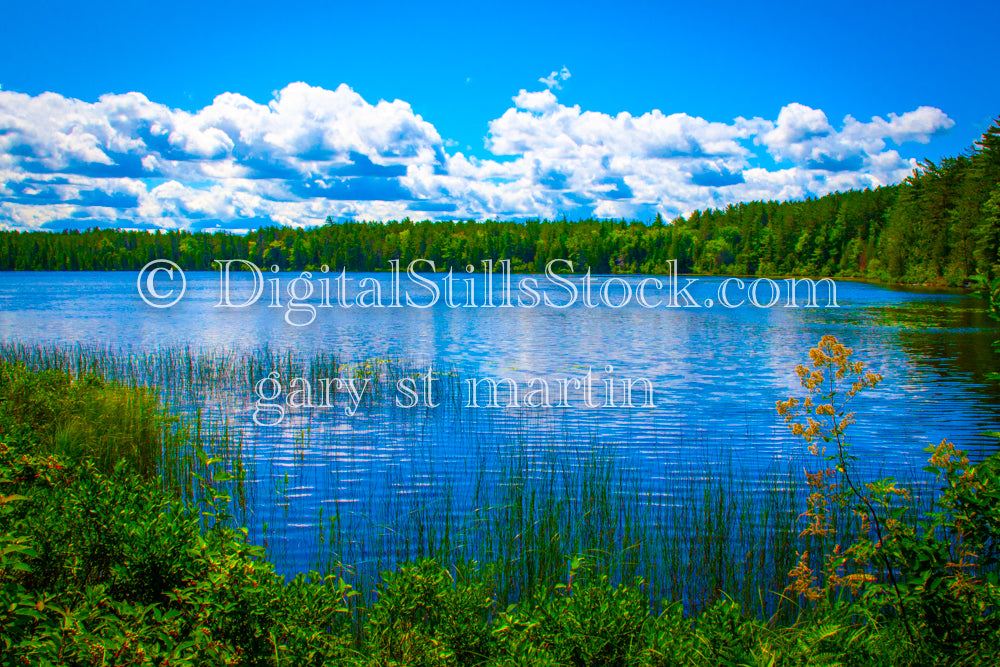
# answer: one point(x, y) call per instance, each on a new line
point(428, 615)
point(587, 622)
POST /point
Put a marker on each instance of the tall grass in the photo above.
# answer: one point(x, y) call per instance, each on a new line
point(89, 419)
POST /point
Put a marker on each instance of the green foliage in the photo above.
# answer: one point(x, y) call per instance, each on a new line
point(83, 419)
point(102, 568)
point(587, 622)
point(951, 558)
point(427, 615)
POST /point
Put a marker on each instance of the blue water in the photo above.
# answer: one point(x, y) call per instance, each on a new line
point(716, 373)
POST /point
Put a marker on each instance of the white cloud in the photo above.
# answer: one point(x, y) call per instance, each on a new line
point(797, 123)
point(803, 136)
point(918, 125)
point(310, 152)
point(553, 80)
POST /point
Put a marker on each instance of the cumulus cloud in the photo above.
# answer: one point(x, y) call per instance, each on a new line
point(805, 137)
point(233, 158)
point(797, 123)
point(309, 153)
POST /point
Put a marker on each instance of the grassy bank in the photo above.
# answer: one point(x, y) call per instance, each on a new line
point(105, 561)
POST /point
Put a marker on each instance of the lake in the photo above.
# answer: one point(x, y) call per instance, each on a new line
point(714, 374)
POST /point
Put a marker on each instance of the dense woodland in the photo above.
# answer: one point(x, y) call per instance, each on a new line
point(940, 226)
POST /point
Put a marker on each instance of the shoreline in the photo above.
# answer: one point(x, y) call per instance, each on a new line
point(925, 287)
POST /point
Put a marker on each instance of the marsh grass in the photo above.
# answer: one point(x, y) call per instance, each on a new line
point(90, 418)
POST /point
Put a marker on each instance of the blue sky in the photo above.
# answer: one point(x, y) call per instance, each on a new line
point(380, 110)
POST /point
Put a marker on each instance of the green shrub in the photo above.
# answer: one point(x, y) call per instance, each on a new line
point(428, 615)
point(587, 622)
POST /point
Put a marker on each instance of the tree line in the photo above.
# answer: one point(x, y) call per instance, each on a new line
point(940, 226)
